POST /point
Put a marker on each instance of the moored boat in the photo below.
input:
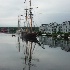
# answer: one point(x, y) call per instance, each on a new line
point(28, 33)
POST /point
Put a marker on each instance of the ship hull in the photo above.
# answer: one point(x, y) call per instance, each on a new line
point(28, 35)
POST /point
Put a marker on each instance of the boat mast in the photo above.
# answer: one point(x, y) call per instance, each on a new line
point(26, 16)
point(18, 23)
point(26, 13)
point(31, 16)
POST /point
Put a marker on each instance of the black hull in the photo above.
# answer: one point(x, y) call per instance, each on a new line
point(31, 38)
point(29, 35)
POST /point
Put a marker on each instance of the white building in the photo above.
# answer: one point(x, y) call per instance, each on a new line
point(43, 27)
point(55, 27)
point(65, 27)
point(49, 28)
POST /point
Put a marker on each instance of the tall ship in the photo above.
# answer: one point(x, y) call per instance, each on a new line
point(28, 31)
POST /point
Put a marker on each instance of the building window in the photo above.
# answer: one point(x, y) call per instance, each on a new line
point(66, 30)
point(69, 29)
point(66, 26)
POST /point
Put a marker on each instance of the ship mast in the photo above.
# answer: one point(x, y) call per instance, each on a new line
point(18, 23)
point(26, 17)
point(30, 17)
point(26, 13)
point(30, 13)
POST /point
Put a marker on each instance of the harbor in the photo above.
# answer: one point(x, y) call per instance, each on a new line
point(43, 54)
point(30, 37)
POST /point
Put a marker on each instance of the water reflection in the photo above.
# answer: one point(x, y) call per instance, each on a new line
point(34, 54)
point(28, 48)
point(28, 51)
point(54, 42)
point(19, 43)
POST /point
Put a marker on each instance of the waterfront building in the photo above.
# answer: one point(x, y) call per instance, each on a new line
point(65, 27)
point(49, 28)
point(55, 27)
point(43, 28)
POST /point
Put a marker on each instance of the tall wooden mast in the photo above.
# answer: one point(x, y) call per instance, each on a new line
point(18, 23)
point(30, 16)
point(26, 14)
point(26, 17)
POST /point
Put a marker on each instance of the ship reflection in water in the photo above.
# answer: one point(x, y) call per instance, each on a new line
point(37, 54)
point(29, 47)
point(41, 53)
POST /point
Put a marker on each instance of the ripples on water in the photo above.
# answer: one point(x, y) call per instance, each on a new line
point(43, 53)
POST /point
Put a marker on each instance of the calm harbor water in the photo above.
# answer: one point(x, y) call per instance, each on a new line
point(45, 53)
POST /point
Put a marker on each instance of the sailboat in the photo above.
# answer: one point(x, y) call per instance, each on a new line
point(28, 33)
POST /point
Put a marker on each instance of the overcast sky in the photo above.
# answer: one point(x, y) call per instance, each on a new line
point(48, 11)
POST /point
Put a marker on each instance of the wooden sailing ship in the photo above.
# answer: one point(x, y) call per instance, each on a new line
point(28, 33)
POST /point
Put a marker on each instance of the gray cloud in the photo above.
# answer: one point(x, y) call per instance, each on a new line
point(48, 11)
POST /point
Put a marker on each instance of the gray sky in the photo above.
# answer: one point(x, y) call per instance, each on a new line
point(48, 11)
